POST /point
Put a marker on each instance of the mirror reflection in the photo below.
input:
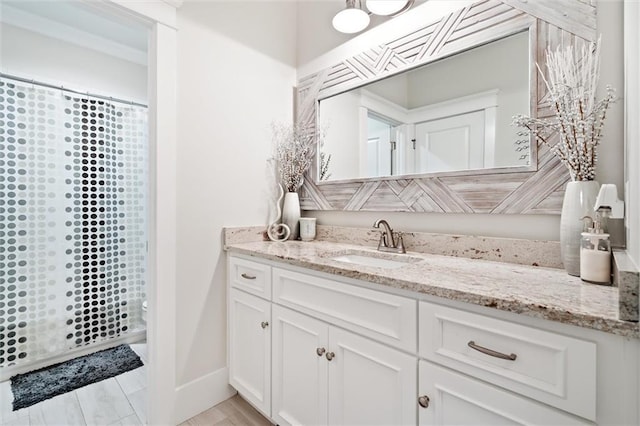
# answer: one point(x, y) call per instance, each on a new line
point(450, 115)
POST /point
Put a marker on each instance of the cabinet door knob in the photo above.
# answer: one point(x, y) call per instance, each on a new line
point(424, 401)
point(264, 324)
point(320, 351)
point(247, 276)
point(330, 355)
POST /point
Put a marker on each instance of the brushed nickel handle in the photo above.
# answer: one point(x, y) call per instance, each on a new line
point(264, 324)
point(248, 277)
point(424, 401)
point(320, 351)
point(486, 351)
point(330, 355)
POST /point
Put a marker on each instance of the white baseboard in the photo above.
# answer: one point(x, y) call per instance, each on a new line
point(201, 394)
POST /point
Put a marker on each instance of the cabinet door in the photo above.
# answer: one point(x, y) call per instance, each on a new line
point(250, 348)
point(369, 383)
point(456, 399)
point(299, 369)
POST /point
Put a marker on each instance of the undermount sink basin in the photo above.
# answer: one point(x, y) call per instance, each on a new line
point(374, 259)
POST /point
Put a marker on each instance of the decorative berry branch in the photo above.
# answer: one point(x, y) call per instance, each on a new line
point(294, 149)
point(579, 118)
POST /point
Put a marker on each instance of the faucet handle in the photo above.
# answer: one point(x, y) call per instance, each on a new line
point(383, 241)
point(400, 243)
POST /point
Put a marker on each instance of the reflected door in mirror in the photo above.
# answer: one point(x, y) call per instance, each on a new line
point(449, 144)
point(450, 115)
point(381, 145)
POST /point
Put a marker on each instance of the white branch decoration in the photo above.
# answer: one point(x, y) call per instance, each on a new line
point(572, 83)
point(294, 148)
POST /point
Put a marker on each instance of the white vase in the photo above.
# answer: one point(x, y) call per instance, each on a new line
point(579, 199)
point(291, 213)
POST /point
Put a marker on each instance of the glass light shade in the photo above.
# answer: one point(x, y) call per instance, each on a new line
point(350, 20)
point(385, 7)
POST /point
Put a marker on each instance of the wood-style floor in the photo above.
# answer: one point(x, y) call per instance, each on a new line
point(235, 411)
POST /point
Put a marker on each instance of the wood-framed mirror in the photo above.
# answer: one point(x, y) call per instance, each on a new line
point(534, 186)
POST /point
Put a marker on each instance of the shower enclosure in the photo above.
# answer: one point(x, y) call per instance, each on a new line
point(73, 222)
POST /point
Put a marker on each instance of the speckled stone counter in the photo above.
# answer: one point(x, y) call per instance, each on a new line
point(510, 250)
point(533, 291)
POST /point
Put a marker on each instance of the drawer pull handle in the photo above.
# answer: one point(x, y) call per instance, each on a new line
point(330, 355)
point(320, 351)
point(248, 277)
point(424, 401)
point(264, 324)
point(472, 345)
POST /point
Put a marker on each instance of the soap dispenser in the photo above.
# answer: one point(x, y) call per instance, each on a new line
point(595, 256)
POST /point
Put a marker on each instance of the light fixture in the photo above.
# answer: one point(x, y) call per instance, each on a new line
point(352, 19)
point(387, 7)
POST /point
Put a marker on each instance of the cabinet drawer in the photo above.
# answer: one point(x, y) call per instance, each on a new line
point(250, 276)
point(555, 369)
point(384, 317)
point(456, 399)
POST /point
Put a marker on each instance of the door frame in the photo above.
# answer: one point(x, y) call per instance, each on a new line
point(160, 17)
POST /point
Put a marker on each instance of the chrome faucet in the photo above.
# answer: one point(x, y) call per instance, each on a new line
point(388, 241)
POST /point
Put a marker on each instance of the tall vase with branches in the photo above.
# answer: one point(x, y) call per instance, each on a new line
point(294, 149)
point(573, 135)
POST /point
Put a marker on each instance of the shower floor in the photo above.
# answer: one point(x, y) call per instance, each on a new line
point(120, 400)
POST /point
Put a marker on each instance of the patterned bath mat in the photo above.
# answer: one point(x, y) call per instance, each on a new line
point(35, 386)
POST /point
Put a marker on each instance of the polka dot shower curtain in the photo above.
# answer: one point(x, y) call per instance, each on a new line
point(73, 236)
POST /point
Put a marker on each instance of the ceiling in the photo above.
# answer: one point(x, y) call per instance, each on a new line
point(95, 26)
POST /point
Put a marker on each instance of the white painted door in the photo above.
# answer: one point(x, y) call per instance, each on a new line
point(449, 144)
point(369, 383)
point(250, 348)
point(457, 399)
point(299, 368)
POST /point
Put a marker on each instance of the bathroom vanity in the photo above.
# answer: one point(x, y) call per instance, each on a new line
point(319, 333)
point(330, 333)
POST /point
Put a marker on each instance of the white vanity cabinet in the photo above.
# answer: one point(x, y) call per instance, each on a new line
point(309, 348)
point(323, 374)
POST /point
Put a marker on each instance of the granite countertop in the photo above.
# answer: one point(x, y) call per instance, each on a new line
point(539, 292)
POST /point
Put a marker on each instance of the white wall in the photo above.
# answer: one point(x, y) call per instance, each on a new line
point(236, 75)
point(610, 167)
point(632, 132)
point(31, 55)
point(545, 227)
point(632, 126)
